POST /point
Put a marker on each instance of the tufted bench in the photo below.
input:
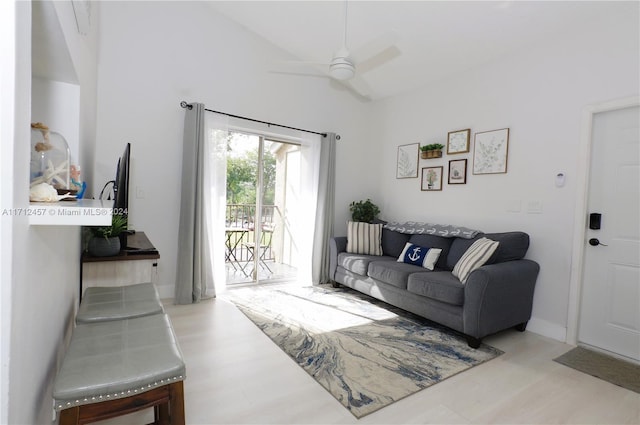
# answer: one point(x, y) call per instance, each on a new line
point(115, 303)
point(118, 367)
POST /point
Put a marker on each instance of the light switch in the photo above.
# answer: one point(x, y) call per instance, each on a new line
point(139, 192)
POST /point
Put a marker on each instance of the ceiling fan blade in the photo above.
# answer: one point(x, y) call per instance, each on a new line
point(301, 74)
point(313, 69)
point(360, 87)
point(376, 52)
point(380, 59)
point(297, 62)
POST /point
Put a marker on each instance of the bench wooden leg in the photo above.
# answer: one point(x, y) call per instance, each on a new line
point(161, 414)
point(176, 403)
point(70, 416)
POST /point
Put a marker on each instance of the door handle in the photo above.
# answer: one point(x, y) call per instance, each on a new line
point(595, 242)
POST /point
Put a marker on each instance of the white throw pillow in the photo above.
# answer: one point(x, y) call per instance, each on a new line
point(364, 238)
point(475, 257)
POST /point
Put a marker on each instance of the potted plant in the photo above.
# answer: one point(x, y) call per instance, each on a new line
point(105, 240)
point(365, 211)
point(433, 150)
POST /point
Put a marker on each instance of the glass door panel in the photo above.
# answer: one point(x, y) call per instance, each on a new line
point(263, 180)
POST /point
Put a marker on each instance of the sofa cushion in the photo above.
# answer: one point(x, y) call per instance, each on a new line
point(434, 242)
point(358, 263)
point(474, 258)
point(393, 242)
point(392, 272)
point(417, 255)
point(364, 238)
point(513, 246)
point(458, 248)
point(441, 286)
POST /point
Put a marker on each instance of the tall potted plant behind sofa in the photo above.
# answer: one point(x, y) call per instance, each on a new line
point(364, 211)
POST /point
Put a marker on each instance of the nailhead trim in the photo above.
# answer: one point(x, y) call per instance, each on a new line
point(60, 404)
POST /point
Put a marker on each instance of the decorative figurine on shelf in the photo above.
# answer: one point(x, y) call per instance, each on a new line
point(44, 192)
point(76, 184)
point(50, 157)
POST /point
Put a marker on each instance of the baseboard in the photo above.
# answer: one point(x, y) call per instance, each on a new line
point(548, 329)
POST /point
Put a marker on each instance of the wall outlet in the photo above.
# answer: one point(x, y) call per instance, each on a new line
point(534, 207)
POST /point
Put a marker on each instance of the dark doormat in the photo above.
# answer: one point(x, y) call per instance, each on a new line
point(618, 372)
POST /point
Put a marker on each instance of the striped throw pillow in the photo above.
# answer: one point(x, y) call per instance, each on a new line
point(475, 257)
point(364, 238)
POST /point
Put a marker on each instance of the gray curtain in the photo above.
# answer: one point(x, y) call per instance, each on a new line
point(324, 210)
point(194, 280)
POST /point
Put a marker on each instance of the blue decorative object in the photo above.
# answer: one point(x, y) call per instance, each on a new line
point(419, 255)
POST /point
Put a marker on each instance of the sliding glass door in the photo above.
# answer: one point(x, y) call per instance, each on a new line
point(263, 186)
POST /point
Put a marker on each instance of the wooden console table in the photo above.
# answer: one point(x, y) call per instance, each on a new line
point(136, 263)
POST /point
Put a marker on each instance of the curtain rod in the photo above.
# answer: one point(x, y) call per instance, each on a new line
point(189, 106)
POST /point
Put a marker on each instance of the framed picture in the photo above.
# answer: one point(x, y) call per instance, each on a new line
point(407, 163)
point(490, 152)
point(458, 171)
point(458, 141)
point(431, 178)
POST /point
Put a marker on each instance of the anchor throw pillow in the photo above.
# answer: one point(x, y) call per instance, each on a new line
point(419, 255)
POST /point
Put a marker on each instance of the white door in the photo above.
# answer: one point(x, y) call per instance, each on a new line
point(610, 309)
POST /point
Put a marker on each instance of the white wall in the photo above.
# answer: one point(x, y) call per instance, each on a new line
point(8, 45)
point(155, 54)
point(539, 94)
point(40, 264)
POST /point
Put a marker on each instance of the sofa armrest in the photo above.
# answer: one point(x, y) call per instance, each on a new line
point(337, 245)
point(499, 296)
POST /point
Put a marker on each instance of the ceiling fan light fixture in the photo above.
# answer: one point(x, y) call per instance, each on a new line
point(342, 70)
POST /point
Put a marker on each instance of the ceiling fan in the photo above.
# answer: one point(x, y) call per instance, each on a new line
point(347, 67)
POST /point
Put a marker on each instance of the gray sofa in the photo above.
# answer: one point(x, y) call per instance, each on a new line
point(497, 296)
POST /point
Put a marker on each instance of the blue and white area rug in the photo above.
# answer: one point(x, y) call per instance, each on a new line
point(366, 353)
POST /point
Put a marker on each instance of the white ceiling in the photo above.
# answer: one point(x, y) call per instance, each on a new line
point(435, 38)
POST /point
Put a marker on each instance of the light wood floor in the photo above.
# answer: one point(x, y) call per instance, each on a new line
point(236, 375)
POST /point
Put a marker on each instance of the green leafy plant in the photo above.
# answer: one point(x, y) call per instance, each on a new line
point(432, 147)
point(365, 211)
point(118, 225)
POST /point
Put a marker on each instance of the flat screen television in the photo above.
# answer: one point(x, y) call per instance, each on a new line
point(121, 186)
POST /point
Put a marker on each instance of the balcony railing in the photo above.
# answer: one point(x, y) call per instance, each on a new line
point(240, 230)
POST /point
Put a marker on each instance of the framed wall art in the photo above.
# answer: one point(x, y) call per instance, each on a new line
point(407, 162)
point(431, 178)
point(491, 151)
point(458, 171)
point(458, 141)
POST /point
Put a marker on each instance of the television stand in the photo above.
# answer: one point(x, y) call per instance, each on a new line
point(136, 263)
